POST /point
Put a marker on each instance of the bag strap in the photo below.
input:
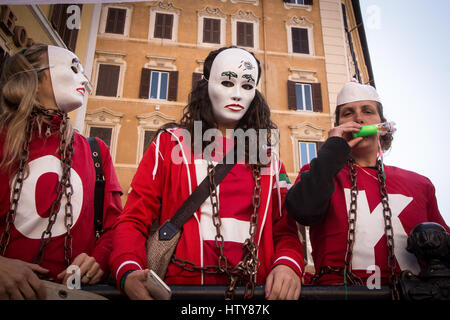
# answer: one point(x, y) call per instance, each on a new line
point(194, 201)
point(99, 193)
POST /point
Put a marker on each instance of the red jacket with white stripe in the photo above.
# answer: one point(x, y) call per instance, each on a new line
point(165, 178)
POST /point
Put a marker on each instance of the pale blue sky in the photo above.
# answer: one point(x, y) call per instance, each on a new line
point(409, 44)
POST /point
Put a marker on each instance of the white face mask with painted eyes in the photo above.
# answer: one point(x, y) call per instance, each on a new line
point(70, 85)
point(232, 85)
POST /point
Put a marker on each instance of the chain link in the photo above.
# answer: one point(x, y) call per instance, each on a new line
point(249, 264)
point(17, 186)
point(346, 271)
point(64, 186)
point(389, 231)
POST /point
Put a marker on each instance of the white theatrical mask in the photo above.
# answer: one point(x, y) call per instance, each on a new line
point(70, 85)
point(232, 84)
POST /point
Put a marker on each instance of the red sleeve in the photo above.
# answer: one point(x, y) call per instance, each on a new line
point(142, 208)
point(288, 249)
point(433, 211)
point(112, 207)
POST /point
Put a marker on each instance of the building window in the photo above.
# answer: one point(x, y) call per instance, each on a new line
point(107, 80)
point(157, 84)
point(211, 30)
point(163, 26)
point(300, 43)
point(211, 27)
point(300, 35)
point(300, 2)
point(164, 21)
point(148, 138)
point(304, 96)
point(104, 124)
point(103, 133)
point(244, 29)
point(244, 34)
point(148, 126)
point(59, 23)
point(115, 21)
point(307, 152)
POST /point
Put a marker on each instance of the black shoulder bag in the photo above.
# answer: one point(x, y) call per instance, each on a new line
point(99, 193)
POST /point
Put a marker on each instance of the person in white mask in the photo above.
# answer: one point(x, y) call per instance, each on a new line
point(48, 177)
point(244, 211)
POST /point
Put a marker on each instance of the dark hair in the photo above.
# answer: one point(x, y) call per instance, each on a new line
point(199, 107)
point(386, 140)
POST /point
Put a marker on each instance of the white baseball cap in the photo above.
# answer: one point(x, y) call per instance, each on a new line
point(354, 91)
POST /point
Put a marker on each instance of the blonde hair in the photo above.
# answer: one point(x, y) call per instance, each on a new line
point(18, 96)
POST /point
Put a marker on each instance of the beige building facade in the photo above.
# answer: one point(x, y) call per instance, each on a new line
point(149, 54)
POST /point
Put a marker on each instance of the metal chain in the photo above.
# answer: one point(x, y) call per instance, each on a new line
point(351, 221)
point(389, 231)
point(64, 187)
point(222, 262)
point(249, 264)
point(17, 186)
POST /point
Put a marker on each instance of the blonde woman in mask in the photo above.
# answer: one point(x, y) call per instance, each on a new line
point(47, 177)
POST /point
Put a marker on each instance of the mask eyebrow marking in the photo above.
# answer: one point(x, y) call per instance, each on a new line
point(248, 77)
point(229, 74)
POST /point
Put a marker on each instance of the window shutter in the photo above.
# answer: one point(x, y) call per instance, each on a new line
point(104, 134)
point(317, 97)
point(216, 31)
point(196, 77)
point(319, 145)
point(249, 35)
point(240, 33)
point(173, 86)
point(304, 44)
point(145, 83)
point(308, 2)
point(159, 26)
point(168, 24)
point(58, 20)
point(292, 98)
point(206, 30)
point(120, 18)
point(107, 80)
point(300, 42)
point(57, 16)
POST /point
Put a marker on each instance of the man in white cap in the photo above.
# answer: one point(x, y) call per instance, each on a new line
point(338, 195)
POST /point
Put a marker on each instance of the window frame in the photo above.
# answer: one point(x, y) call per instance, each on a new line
point(208, 13)
point(300, 23)
point(164, 9)
point(245, 17)
point(104, 118)
point(160, 72)
point(149, 122)
point(111, 58)
point(308, 156)
point(104, 19)
point(102, 127)
point(99, 68)
point(303, 85)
